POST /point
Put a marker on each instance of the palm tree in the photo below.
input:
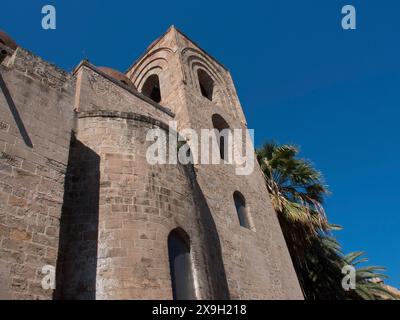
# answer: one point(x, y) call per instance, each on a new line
point(295, 187)
point(297, 192)
point(369, 284)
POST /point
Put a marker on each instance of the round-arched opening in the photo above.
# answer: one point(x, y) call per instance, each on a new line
point(221, 126)
point(180, 263)
point(206, 84)
point(219, 122)
point(241, 210)
point(151, 88)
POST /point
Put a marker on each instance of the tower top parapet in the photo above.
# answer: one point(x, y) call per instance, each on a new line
point(175, 32)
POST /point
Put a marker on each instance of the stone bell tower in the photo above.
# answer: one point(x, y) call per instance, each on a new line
point(201, 93)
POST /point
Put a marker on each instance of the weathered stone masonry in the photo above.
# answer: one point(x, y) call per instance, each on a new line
point(36, 104)
point(76, 191)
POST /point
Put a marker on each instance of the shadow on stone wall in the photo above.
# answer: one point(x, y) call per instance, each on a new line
point(77, 257)
point(15, 113)
point(208, 231)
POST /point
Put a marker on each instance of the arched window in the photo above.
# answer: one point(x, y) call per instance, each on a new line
point(240, 204)
point(206, 84)
point(151, 88)
point(220, 124)
point(180, 266)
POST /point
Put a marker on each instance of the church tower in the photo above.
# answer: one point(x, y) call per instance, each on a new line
point(200, 92)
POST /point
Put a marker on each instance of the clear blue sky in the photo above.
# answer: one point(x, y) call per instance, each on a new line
point(301, 79)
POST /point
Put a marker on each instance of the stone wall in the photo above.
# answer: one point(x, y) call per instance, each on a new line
point(97, 91)
point(36, 117)
point(138, 206)
point(256, 260)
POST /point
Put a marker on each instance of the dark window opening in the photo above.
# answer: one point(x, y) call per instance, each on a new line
point(180, 266)
point(206, 84)
point(240, 204)
point(220, 124)
point(151, 88)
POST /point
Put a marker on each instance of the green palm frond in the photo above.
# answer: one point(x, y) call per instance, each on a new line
point(352, 257)
point(295, 186)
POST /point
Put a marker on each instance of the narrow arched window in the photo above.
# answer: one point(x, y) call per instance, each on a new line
point(206, 84)
point(220, 124)
point(240, 204)
point(151, 88)
point(180, 266)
